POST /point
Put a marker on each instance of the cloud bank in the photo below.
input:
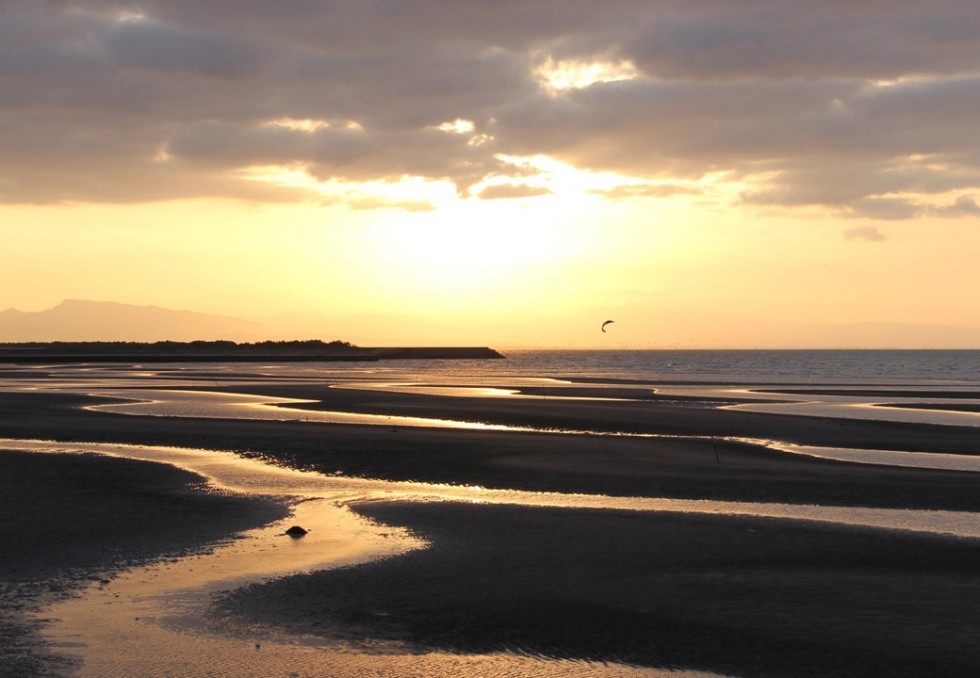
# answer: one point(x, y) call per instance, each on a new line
point(864, 108)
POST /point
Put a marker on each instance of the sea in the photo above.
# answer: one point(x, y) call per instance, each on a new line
point(917, 386)
point(827, 367)
point(853, 367)
point(922, 386)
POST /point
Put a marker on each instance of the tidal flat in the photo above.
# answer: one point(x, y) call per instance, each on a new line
point(536, 548)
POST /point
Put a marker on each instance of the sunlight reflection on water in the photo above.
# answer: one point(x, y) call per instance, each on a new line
point(223, 405)
point(229, 471)
point(864, 410)
point(931, 460)
point(152, 621)
point(208, 404)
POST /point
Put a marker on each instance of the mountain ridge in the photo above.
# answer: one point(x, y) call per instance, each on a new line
point(84, 320)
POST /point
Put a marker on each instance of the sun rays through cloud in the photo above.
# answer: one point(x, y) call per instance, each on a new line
point(731, 158)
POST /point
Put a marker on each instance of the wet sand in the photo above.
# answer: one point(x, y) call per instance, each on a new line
point(737, 596)
point(614, 465)
point(749, 597)
point(953, 407)
point(71, 519)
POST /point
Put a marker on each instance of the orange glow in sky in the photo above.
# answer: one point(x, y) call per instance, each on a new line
point(492, 179)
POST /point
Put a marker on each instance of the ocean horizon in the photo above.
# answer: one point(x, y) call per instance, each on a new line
point(852, 366)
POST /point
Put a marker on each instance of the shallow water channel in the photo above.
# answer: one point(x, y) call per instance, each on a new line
point(230, 405)
point(151, 621)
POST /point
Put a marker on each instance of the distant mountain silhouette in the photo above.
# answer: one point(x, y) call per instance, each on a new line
point(77, 320)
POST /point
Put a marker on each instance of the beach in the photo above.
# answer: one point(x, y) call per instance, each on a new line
point(735, 595)
point(738, 596)
point(70, 520)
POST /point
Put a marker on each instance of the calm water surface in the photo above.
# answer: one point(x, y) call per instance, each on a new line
point(917, 378)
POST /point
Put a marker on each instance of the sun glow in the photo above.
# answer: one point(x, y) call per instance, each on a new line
point(531, 178)
point(457, 126)
point(572, 183)
point(407, 192)
point(130, 16)
point(482, 252)
point(310, 126)
point(558, 76)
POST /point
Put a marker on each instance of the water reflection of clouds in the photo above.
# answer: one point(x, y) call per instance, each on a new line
point(224, 405)
point(424, 389)
point(462, 391)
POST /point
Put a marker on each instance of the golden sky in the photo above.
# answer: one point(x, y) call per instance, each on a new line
point(735, 174)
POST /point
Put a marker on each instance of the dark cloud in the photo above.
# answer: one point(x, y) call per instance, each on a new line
point(841, 104)
point(885, 208)
point(865, 233)
point(774, 39)
point(144, 45)
point(963, 206)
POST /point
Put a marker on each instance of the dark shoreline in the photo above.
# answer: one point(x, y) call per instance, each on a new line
point(61, 353)
point(161, 358)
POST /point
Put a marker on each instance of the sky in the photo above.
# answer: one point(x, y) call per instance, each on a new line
point(707, 173)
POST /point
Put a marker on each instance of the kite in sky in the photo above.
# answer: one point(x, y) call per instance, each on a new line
point(603, 328)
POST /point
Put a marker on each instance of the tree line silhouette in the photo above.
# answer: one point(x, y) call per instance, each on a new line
point(294, 347)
